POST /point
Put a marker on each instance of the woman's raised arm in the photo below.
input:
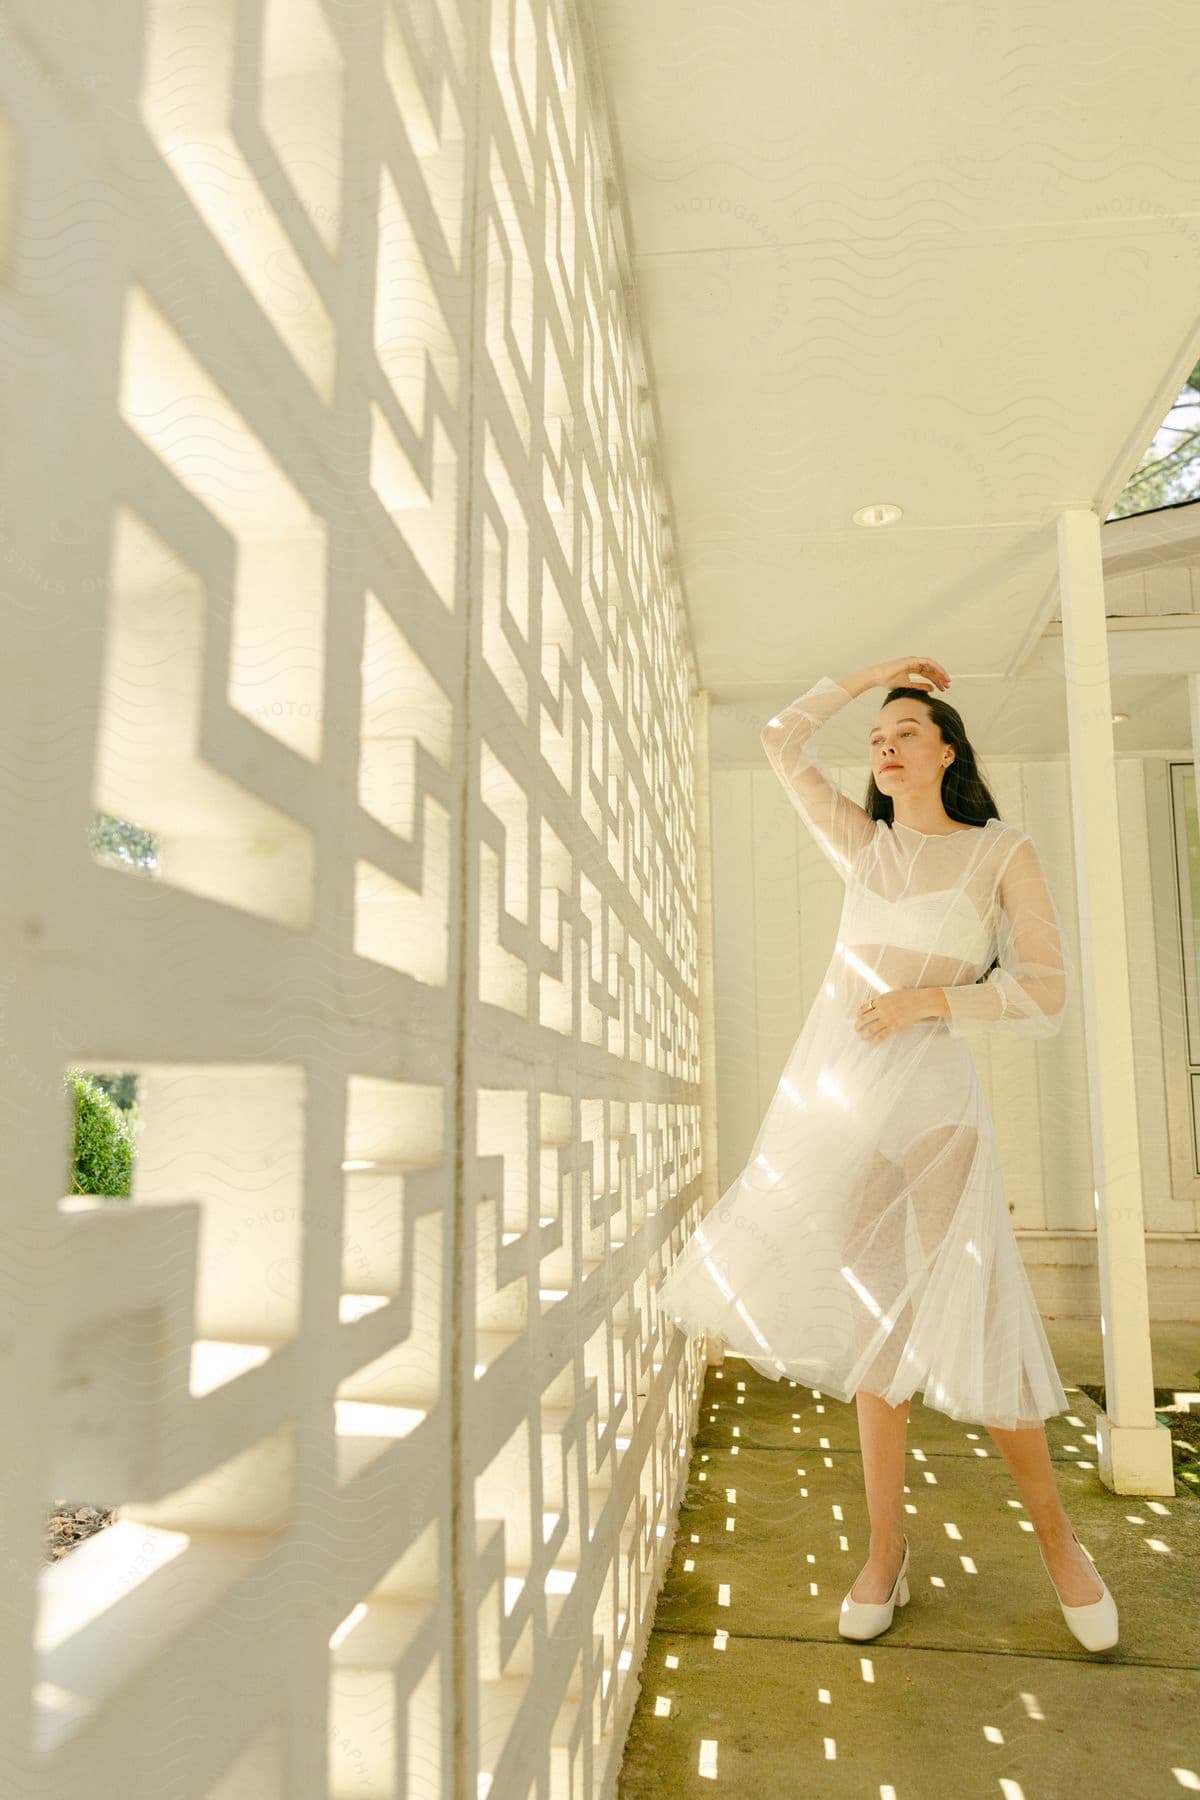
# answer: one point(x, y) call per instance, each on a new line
point(840, 826)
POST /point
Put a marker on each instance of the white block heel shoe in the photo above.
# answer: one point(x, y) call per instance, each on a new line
point(863, 1619)
point(1094, 1624)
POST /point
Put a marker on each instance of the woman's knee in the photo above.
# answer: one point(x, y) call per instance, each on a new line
point(1008, 1431)
point(901, 1406)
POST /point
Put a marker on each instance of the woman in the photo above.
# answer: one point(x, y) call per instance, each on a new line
point(866, 1247)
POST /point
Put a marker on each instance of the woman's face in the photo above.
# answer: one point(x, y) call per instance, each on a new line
point(907, 751)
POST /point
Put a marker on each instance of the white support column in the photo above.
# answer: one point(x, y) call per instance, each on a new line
point(1134, 1450)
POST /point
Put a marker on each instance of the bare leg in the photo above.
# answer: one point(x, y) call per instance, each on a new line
point(1027, 1454)
point(882, 1430)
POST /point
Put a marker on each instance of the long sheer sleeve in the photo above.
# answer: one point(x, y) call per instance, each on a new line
point(1027, 994)
point(839, 824)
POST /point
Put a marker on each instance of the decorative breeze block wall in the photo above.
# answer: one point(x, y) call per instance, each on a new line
point(337, 561)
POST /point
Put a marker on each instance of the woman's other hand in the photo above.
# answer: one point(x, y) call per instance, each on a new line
point(892, 1012)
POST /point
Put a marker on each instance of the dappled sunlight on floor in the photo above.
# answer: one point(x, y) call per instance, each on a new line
point(978, 1686)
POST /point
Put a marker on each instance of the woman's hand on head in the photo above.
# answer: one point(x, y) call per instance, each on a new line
point(897, 673)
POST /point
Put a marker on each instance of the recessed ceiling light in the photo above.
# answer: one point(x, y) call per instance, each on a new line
point(1119, 718)
point(884, 513)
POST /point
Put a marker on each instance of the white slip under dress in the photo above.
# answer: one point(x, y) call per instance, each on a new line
point(867, 1241)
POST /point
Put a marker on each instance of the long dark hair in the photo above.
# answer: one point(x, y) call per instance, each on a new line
point(965, 794)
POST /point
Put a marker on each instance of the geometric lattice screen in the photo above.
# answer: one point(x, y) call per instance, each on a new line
point(336, 562)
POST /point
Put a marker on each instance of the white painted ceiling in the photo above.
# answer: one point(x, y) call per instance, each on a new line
point(945, 255)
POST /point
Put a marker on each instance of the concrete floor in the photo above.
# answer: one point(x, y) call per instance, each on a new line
point(1079, 1352)
point(978, 1688)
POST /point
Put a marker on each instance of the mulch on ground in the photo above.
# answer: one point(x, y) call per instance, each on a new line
point(67, 1524)
point(1183, 1424)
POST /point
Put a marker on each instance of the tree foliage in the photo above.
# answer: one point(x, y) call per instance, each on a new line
point(119, 840)
point(1169, 471)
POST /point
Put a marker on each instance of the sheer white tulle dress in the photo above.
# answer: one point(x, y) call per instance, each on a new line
point(867, 1241)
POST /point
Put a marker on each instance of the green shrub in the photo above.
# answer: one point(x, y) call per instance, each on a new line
point(103, 1153)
